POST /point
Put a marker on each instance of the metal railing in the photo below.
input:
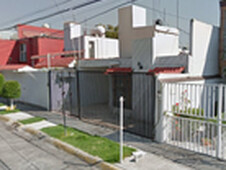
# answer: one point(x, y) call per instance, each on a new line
point(196, 117)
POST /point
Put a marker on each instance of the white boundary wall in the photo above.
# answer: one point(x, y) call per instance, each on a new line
point(34, 86)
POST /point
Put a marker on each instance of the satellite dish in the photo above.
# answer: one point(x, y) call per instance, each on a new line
point(46, 25)
point(101, 29)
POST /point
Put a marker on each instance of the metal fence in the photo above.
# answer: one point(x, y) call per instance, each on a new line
point(196, 117)
point(99, 95)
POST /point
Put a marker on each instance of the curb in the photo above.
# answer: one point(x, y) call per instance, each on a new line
point(92, 160)
point(4, 118)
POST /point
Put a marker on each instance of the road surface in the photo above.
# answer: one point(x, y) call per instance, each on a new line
point(21, 151)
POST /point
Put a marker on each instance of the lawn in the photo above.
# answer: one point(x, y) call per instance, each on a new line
point(32, 120)
point(1, 104)
point(94, 145)
point(3, 112)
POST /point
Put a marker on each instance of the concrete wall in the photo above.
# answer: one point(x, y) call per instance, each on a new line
point(165, 44)
point(204, 49)
point(142, 54)
point(105, 48)
point(132, 26)
point(151, 52)
point(34, 86)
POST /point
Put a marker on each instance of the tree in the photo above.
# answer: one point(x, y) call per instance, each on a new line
point(2, 79)
point(11, 90)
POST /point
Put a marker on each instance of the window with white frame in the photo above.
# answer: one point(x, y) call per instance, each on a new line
point(23, 53)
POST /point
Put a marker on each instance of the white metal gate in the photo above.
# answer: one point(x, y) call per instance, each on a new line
point(196, 117)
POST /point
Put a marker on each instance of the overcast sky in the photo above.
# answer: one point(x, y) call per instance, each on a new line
point(17, 11)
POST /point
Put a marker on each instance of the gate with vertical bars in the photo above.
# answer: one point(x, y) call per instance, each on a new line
point(196, 117)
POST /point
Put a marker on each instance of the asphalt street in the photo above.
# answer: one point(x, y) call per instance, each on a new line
point(21, 151)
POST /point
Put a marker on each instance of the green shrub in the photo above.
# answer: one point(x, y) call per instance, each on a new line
point(2, 79)
point(11, 90)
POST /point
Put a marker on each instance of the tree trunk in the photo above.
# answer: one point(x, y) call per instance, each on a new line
point(11, 104)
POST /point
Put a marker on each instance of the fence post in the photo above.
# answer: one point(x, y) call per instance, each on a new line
point(219, 122)
point(121, 128)
point(160, 128)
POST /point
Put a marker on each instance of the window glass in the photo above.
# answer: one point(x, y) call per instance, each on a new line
point(23, 53)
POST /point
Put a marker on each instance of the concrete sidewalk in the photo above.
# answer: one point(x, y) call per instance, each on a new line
point(158, 156)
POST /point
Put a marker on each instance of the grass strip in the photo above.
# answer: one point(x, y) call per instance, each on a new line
point(1, 104)
point(97, 146)
point(3, 112)
point(32, 120)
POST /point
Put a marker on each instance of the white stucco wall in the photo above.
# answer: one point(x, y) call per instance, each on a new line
point(204, 49)
point(71, 32)
point(105, 48)
point(165, 44)
point(34, 86)
point(138, 16)
point(132, 26)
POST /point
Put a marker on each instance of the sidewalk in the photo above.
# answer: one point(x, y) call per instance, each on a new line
point(158, 156)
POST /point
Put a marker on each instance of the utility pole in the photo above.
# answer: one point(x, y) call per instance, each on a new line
point(77, 79)
point(121, 100)
point(63, 105)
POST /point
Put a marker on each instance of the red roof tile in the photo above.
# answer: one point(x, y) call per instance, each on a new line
point(12, 66)
point(166, 70)
point(118, 70)
point(55, 62)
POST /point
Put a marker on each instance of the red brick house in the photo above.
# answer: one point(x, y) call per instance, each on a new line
point(31, 40)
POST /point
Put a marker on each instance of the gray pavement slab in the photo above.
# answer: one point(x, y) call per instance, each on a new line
point(18, 116)
point(40, 125)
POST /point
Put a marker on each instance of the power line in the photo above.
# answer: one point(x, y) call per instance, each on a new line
point(161, 12)
point(108, 10)
point(53, 14)
point(35, 12)
point(98, 14)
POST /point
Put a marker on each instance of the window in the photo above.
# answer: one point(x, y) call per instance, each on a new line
point(23, 53)
point(91, 49)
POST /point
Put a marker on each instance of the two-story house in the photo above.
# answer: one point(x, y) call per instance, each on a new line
point(28, 41)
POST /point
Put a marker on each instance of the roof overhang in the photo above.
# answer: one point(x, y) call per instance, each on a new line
point(166, 70)
point(119, 70)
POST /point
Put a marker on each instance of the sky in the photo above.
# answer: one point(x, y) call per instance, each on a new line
point(14, 12)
